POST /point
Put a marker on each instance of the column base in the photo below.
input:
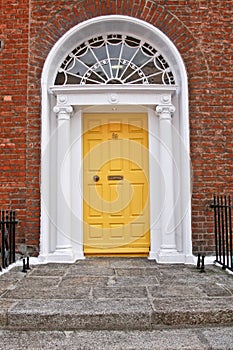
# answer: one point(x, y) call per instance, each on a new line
point(152, 256)
point(170, 256)
point(79, 256)
point(62, 254)
point(60, 257)
point(190, 260)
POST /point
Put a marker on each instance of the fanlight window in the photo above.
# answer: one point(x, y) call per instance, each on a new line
point(114, 59)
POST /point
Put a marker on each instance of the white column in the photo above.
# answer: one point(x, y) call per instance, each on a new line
point(167, 251)
point(63, 250)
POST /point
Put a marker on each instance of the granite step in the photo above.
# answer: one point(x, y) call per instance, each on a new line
point(114, 295)
point(112, 314)
point(205, 338)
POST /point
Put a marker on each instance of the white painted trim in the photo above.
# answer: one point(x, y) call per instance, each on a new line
point(122, 89)
point(153, 142)
point(114, 96)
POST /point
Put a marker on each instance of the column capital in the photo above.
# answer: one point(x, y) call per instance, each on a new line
point(165, 111)
point(63, 112)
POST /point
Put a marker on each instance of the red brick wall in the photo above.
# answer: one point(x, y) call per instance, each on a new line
point(201, 31)
point(13, 109)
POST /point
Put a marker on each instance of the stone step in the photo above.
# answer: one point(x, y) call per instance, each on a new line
point(113, 314)
point(114, 295)
point(205, 338)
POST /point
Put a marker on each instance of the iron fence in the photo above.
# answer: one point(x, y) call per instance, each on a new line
point(222, 206)
point(7, 245)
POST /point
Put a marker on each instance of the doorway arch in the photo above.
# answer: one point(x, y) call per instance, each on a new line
point(61, 140)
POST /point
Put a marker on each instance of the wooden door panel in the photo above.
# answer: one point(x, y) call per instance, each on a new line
point(116, 208)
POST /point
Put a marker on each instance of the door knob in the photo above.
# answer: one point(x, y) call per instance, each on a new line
point(96, 178)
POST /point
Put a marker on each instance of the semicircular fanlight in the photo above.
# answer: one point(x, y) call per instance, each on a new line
point(114, 59)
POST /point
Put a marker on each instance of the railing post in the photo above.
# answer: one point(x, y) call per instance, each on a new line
point(3, 239)
point(13, 240)
point(203, 263)
point(230, 231)
point(216, 228)
point(219, 231)
point(10, 236)
point(1, 247)
point(198, 261)
point(226, 228)
point(223, 234)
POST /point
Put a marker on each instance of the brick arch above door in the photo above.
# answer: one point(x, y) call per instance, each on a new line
point(56, 21)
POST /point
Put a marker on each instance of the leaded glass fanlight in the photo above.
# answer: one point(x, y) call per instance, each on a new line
point(114, 59)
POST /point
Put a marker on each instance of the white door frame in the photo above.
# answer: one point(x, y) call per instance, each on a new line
point(169, 164)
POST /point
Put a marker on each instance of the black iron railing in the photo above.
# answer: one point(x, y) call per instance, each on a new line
point(222, 206)
point(7, 244)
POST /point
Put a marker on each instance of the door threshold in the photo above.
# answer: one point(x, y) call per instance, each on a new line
point(120, 255)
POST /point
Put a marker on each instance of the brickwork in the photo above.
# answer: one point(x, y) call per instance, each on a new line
point(201, 31)
point(13, 109)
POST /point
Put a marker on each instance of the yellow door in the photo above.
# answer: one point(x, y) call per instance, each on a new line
point(116, 188)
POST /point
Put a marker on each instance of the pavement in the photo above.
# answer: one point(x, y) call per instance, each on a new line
point(116, 303)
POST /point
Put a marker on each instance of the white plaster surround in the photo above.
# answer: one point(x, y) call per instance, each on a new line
point(169, 162)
